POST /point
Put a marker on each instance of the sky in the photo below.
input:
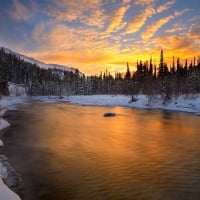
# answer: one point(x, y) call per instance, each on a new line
point(95, 35)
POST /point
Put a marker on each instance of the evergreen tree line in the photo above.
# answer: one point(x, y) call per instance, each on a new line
point(151, 80)
point(148, 79)
point(37, 81)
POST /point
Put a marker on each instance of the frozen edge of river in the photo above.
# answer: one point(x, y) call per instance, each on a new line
point(8, 176)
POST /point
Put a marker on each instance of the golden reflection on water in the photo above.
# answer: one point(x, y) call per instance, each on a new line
point(138, 154)
point(115, 137)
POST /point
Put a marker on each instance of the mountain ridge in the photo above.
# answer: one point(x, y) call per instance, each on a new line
point(40, 63)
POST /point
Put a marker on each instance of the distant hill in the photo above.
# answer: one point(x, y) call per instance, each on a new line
point(39, 63)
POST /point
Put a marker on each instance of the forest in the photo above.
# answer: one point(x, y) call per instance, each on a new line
point(179, 78)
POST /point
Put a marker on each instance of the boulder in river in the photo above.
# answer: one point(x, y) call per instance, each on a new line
point(109, 114)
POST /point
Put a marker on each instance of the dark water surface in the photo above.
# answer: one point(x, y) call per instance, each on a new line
point(72, 152)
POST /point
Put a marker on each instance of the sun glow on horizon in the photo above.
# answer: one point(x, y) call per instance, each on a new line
point(116, 63)
point(97, 35)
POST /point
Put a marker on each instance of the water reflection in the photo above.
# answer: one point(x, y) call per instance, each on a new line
point(73, 152)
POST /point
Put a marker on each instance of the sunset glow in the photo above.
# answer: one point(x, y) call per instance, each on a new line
point(95, 35)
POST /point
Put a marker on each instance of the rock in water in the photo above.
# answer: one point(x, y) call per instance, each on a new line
point(109, 114)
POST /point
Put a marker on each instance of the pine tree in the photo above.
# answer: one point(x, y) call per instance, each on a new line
point(173, 66)
point(186, 65)
point(163, 69)
point(128, 73)
point(151, 67)
point(161, 66)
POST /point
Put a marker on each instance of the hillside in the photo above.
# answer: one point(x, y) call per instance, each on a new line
point(37, 78)
point(39, 63)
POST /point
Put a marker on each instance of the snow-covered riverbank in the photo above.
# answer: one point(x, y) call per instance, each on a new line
point(190, 103)
point(7, 103)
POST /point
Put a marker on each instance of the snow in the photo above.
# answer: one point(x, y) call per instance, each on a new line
point(6, 193)
point(190, 103)
point(182, 103)
point(3, 124)
point(8, 103)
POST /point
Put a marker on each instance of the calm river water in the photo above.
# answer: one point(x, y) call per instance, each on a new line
point(72, 152)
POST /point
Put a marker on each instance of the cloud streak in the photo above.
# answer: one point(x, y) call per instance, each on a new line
point(165, 6)
point(117, 19)
point(176, 28)
point(140, 19)
point(88, 12)
point(153, 28)
point(143, 2)
point(19, 11)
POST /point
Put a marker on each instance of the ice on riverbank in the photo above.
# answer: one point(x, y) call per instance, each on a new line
point(10, 102)
point(6, 193)
point(3, 124)
point(7, 173)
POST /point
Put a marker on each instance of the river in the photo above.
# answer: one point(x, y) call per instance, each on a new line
point(72, 152)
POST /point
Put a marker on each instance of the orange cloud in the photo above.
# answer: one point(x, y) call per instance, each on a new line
point(195, 30)
point(179, 13)
point(176, 28)
point(143, 2)
point(126, 1)
point(53, 35)
point(140, 19)
point(174, 42)
point(117, 19)
point(153, 28)
point(72, 10)
point(165, 6)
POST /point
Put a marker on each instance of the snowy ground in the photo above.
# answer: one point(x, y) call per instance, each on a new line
point(182, 103)
point(190, 103)
point(7, 103)
point(3, 124)
point(5, 192)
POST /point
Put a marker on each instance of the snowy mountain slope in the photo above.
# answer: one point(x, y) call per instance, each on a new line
point(41, 64)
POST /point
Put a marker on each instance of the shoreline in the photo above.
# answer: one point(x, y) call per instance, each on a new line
point(8, 175)
point(188, 104)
